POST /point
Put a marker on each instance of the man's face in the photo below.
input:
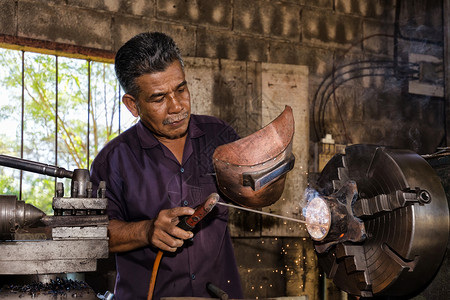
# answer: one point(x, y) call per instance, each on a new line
point(164, 103)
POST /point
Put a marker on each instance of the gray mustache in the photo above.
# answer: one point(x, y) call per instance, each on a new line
point(175, 118)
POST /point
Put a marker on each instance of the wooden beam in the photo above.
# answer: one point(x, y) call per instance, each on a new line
point(53, 48)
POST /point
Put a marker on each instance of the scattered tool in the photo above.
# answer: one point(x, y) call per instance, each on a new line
point(107, 296)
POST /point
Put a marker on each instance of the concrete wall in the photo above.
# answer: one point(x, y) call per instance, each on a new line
point(385, 88)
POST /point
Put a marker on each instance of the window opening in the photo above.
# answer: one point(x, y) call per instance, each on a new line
point(55, 110)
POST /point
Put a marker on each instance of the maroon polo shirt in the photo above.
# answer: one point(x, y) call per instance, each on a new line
point(143, 177)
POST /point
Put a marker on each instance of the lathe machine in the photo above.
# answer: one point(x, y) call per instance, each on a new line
point(70, 241)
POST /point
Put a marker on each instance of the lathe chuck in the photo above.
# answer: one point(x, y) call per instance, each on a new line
point(406, 218)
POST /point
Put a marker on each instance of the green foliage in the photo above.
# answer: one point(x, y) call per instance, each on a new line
point(40, 193)
point(67, 116)
point(7, 186)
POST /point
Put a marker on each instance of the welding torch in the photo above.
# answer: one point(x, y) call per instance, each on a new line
point(186, 223)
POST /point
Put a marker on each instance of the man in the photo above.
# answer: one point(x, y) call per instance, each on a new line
point(158, 171)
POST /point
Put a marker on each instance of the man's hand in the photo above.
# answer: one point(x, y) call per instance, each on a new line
point(160, 232)
point(164, 233)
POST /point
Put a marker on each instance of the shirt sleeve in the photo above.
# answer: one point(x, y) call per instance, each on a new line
point(104, 169)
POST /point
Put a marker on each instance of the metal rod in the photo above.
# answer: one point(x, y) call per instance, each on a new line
point(33, 166)
point(56, 118)
point(89, 63)
point(22, 121)
point(261, 212)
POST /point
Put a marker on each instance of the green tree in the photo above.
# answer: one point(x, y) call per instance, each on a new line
point(70, 110)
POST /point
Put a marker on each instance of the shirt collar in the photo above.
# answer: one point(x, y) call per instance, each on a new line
point(148, 140)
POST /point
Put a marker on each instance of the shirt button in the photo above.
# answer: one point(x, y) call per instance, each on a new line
point(185, 203)
point(182, 170)
point(193, 276)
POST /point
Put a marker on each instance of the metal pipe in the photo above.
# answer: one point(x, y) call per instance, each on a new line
point(22, 121)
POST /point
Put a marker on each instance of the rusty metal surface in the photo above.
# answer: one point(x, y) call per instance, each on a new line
point(85, 220)
point(262, 150)
point(406, 237)
point(54, 266)
point(79, 233)
point(48, 249)
point(51, 256)
point(65, 203)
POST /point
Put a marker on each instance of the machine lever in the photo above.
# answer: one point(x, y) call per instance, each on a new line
point(35, 167)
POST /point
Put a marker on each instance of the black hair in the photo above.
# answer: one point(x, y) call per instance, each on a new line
point(145, 53)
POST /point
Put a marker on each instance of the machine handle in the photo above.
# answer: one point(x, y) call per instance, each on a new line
point(35, 167)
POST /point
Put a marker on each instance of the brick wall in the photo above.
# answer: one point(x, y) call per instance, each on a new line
point(318, 34)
